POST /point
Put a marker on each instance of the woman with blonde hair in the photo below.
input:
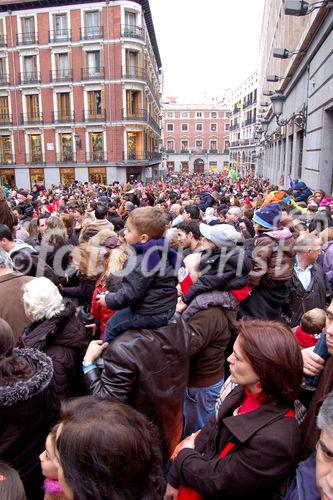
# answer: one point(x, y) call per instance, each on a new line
point(88, 261)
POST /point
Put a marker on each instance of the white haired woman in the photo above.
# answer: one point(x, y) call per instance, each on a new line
point(55, 330)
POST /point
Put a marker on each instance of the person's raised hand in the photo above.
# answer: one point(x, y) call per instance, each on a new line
point(312, 363)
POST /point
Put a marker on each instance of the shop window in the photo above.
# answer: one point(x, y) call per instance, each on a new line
point(67, 176)
point(97, 175)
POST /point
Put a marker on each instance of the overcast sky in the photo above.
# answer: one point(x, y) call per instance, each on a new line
point(206, 46)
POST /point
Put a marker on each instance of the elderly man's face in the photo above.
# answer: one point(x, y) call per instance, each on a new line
point(324, 465)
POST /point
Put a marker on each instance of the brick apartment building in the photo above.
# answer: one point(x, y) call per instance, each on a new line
point(195, 136)
point(79, 92)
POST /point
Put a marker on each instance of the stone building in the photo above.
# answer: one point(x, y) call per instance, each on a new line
point(300, 142)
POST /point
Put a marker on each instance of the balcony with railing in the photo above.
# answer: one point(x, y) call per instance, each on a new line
point(65, 157)
point(5, 118)
point(142, 156)
point(34, 158)
point(141, 115)
point(4, 79)
point(29, 38)
point(184, 151)
point(28, 77)
point(234, 144)
point(134, 73)
point(170, 151)
point(32, 118)
point(61, 75)
point(128, 31)
point(92, 73)
point(94, 116)
point(63, 116)
point(61, 35)
point(96, 156)
point(91, 32)
point(214, 151)
point(7, 159)
point(3, 41)
point(199, 151)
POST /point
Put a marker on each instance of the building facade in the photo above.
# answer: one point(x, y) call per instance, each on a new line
point(195, 137)
point(79, 92)
point(243, 102)
point(303, 147)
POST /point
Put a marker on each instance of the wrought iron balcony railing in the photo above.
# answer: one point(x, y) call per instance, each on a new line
point(7, 159)
point(29, 38)
point(94, 116)
point(61, 75)
point(34, 158)
point(31, 118)
point(63, 116)
point(65, 157)
point(128, 31)
point(60, 35)
point(92, 73)
point(91, 32)
point(27, 77)
point(5, 118)
point(4, 79)
point(134, 72)
point(96, 156)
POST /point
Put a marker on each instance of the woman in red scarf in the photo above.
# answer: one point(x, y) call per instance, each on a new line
point(254, 443)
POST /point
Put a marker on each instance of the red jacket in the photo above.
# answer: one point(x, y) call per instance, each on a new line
point(102, 314)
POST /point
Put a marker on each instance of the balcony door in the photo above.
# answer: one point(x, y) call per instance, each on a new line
point(92, 24)
point(95, 104)
point(60, 27)
point(64, 106)
point(94, 63)
point(30, 68)
point(131, 63)
point(35, 148)
point(66, 147)
point(132, 103)
point(32, 102)
point(5, 149)
point(4, 109)
point(96, 146)
point(62, 65)
point(28, 30)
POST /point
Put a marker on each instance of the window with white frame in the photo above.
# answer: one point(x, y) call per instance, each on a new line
point(170, 127)
point(213, 114)
point(213, 127)
point(170, 115)
point(170, 144)
point(213, 145)
point(199, 127)
point(184, 114)
point(184, 144)
point(226, 126)
point(198, 114)
point(184, 127)
point(198, 144)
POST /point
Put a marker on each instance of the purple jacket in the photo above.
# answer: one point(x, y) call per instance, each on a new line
point(304, 485)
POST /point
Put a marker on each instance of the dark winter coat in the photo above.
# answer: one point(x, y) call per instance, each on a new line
point(22, 417)
point(300, 300)
point(222, 272)
point(26, 260)
point(146, 293)
point(210, 335)
point(63, 339)
point(148, 369)
point(206, 201)
point(303, 191)
point(83, 292)
point(267, 446)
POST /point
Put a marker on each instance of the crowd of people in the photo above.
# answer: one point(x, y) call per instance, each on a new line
point(170, 340)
